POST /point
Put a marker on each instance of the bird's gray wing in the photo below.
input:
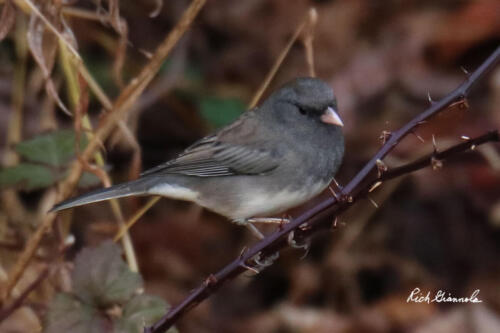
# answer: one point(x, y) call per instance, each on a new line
point(211, 157)
point(237, 149)
point(233, 150)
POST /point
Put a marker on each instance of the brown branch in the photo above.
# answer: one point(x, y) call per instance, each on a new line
point(8, 310)
point(320, 215)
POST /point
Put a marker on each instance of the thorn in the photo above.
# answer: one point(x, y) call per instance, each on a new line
point(381, 167)
point(462, 104)
point(243, 251)
point(472, 147)
point(418, 136)
point(210, 280)
point(465, 71)
point(374, 186)
point(465, 104)
point(421, 122)
point(372, 201)
point(385, 136)
point(436, 164)
point(335, 195)
point(337, 184)
point(429, 98)
point(434, 145)
point(350, 199)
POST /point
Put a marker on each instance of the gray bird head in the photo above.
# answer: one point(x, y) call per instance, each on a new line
point(306, 97)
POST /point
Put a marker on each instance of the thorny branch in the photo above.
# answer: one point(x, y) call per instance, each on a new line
point(320, 216)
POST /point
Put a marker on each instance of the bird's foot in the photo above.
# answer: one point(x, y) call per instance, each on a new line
point(266, 262)
point(250, 226)
point(255, 231)
point(296, 245)
point(249, 223)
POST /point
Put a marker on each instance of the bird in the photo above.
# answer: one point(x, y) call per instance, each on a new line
point(273, 157)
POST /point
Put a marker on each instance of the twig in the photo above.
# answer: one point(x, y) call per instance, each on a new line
point(126, 226)
point(427, 160)
point(7, 311)
point(79, 101)
point(308, 39)
point(309, 20)
point(314, 219)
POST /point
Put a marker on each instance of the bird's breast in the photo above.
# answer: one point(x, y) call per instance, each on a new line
point(261, 202)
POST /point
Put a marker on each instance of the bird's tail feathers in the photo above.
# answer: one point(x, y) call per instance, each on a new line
point(135, 187)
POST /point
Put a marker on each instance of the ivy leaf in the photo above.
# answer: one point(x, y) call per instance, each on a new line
point(140, 311)
point(53, 149)
point(67, 314)
point(102, 278)
point(221, 111)
point(28, 176)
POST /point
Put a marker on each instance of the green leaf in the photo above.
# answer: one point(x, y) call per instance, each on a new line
point(67, 314)
point(28, 176)
point(53, 149)
point(101, 277)
point(140, 311)
point(88, 179)
point(221, 111)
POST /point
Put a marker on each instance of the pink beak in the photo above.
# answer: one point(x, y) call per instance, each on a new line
point(331, 117)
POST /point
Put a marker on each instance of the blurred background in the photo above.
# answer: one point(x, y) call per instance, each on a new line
point(434, 229)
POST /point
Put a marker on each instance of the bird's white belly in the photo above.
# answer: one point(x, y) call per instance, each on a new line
point(256, 202)
point(262, 203)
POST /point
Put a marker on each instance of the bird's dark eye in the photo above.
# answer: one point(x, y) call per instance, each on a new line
point(302, 110)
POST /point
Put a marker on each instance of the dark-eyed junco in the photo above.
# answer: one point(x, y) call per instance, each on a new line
point(271, 158)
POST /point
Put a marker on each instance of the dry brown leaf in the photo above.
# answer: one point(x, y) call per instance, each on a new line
point(7, 18)
point(43, 46)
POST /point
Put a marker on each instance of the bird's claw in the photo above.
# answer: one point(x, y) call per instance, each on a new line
point(293, 244)
point(266, 262)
